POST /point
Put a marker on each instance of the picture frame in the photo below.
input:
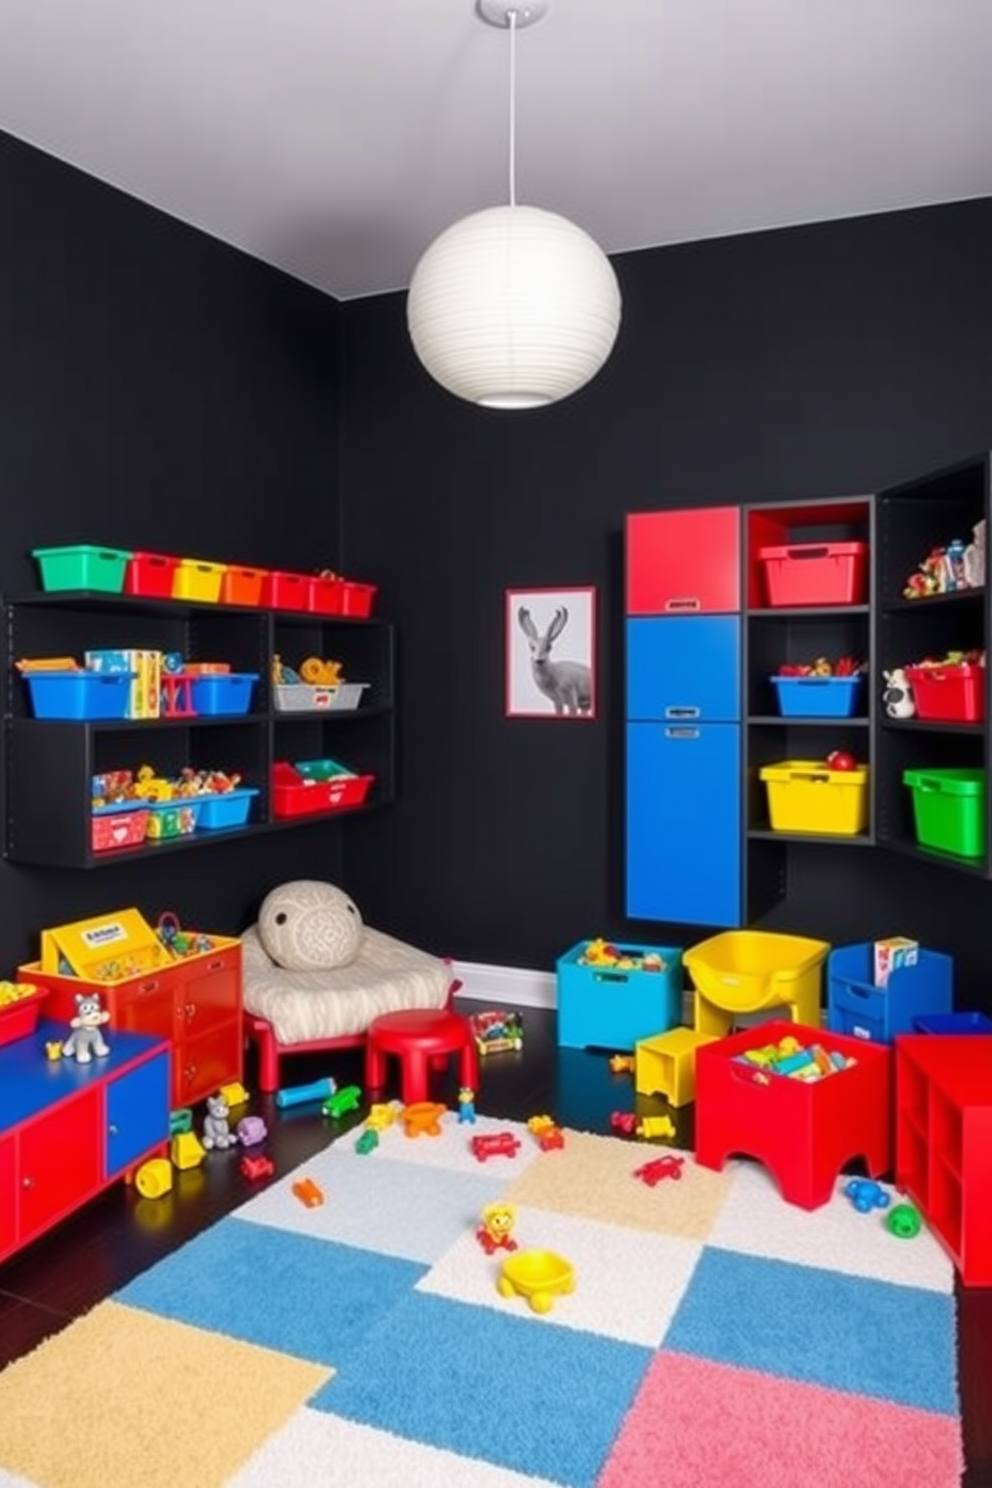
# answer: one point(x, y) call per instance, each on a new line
point(551, 652)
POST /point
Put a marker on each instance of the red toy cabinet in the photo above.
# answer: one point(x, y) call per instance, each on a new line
point(684, 562)
point(944, 1142)
point(805, 1133)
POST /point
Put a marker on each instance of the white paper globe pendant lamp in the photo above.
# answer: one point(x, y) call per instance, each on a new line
point(513, 307)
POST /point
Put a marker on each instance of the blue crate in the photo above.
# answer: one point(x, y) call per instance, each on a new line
point(229, 809)
point(604, 1007)
point(817, 697)
point(855, 1006)
point(220, 693)
point(953, 1023)
point(79, 695)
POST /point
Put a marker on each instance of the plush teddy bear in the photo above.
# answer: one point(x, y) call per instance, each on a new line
point(216, 1126)
point(86, 1039)
point(308, 925)
point(898, 695)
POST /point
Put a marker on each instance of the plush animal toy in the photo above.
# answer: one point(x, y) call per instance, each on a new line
point(85, 1040)
point(216, 1127)
point(898, 695)
point(310, 926)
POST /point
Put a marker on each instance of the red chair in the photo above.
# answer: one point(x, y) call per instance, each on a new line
point(421, 1039)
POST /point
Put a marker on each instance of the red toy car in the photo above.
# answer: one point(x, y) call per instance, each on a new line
point(624, 1121)
point(257, 1167)
point(499, 1144)
point(662, 1167)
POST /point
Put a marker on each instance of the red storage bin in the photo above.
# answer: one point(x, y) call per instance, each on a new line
point(150, 574)
point(119, 828)
point(357, 599)
point(294, 795)
point(19, 1019)
point(949, 694)
point(326, 594)
point(242, 586)
point(286, 591)
point(832, 573)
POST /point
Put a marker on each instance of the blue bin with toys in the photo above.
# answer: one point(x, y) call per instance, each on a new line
point(225, 809)
point(220, 694)
point(610, 996)
point(861, 1008)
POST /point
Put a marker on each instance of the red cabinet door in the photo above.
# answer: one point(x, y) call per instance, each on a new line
point(212, 991)
point(8, 1209)
point(684, 562)
point(200, 1064)
point(61, 1161)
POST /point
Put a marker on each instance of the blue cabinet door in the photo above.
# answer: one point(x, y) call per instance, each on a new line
point(684, 669)
point(137, 1113)
point(684, 822)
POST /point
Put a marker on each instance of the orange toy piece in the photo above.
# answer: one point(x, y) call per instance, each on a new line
point(308, 1193)
point(423, 1118)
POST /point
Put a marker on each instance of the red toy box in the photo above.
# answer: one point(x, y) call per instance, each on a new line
point(150, 574)
point(832, 573)
point(294, 793)
point(805, 1133)
point(949, 694)
point(286, 591)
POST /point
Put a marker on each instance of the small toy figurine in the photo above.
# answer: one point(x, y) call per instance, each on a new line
point(216, 1126)
point(495, 1231)
point(85, 1040)
point(466, 1104)
point(898, 695)
point(865, 1194)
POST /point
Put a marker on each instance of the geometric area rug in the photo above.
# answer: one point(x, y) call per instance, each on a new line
point(716, 1335)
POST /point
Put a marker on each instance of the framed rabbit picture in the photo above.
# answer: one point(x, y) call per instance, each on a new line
point(551, 653)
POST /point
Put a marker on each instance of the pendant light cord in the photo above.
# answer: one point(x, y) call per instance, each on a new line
point(512, 18)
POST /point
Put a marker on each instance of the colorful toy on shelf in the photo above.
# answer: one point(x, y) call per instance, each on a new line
point(216, 1125)
point(957, 566)
point(538, 1275)
point(898, 694)
point(496, 1031)
point(865, 1194)
point(496, 1230)
point(86, 1039)
point(312, 671)
point(841, 759)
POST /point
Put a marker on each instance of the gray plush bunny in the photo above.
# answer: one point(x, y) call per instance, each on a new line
point(216, 1127)
point(85, 1039)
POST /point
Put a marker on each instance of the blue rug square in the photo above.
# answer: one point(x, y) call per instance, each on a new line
point(481, 1383)
point(313, 1299)
point(799, 1321)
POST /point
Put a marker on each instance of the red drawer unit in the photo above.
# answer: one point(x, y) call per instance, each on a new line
point(949, 694)
point(805, 1133)
point(684, 562)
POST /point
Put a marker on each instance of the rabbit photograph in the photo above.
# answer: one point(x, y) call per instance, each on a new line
point(550, 653)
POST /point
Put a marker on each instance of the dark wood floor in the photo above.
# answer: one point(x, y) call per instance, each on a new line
point(120, 1234)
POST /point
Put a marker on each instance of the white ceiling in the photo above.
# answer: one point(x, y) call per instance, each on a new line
point(336, 138)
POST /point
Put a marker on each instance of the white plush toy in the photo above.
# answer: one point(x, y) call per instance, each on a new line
point(308, 925)
point(898, 695)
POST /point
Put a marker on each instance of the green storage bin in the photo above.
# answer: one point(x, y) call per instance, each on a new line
point(949, 810)
point(82, 567)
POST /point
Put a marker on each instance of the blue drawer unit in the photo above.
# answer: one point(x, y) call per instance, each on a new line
point(857, 1007)
point(137, 1112)
point(684, 669)
point(684, 822)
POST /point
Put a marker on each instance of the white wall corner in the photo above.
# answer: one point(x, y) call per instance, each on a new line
point(499, 985)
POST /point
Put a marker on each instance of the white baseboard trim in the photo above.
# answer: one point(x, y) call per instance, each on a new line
point(498, 985)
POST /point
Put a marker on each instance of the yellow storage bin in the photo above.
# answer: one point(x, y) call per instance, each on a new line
point(196, 579)
point(749, 971)
point(806, 796)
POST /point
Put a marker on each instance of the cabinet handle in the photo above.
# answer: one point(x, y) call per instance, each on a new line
point(681, 733)
point(189, 1012)
point(147, 987)
point(215, 966)
point(677, 712)
point(807, 552)
point(689, 602)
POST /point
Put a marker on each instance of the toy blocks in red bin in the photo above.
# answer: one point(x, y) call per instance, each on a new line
point(610, 996)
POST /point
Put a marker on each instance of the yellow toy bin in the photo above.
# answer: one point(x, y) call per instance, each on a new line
point(197, 580)
point(806, 796)
point(747, 971)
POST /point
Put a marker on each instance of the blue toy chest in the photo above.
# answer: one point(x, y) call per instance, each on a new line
point(857, 1007)
point(606, 1007)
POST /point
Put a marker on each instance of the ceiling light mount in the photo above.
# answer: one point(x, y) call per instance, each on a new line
point(498, 12)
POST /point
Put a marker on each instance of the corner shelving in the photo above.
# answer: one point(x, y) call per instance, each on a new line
point(49, 764)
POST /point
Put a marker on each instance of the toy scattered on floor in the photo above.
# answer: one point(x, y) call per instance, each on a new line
point(234, 1093)
point(348, 1098)
point(496, 1229)
point(602, 953)
point(186, 1150)
point(496, 1144)
point(53, 1049)
point(655, 1126)
point(466, 1105)
point(153, 1180)
point(422, 1118)
point(181, 1120)
point(308, 1192)
point(904, 1222)
point(624, 1122)
point(217, 1131)
point(538, 1275)
point(367, 1141)
point(251, 1130)
point(547, 1131)
point(86, 1039)
point(496, 1031)
point(381, 1114)
point(622, 1064)
point(865, 1194)
point(652, 1172)
point(256, 1167)
point(794, 1060)
point(300, 1095)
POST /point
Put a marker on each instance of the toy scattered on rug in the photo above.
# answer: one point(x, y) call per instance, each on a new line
point(865, 1194)
point(308, 1193)
point(86, 1039)
point(622, 1064)
point(944, 570)
point(496, 1031)
point(466, 1105)
point(652, 1172)
point(549, 1134)
point(904, 1222)
point(603, 953)
point(422, 1118)
point(794, 1060)
point(496, 1144)
point(538, 1275)
point(496, 1229)
point(631, 1125)
point(217, 1125)
point(348, 1098)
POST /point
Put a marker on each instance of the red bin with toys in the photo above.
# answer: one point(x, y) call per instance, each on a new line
point(951, 693)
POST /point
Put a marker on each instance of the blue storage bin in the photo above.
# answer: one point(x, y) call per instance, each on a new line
point(817, 697)
point(855, 1006)
point(223, 692)
point(953, 1023)
point(79, 695)
point(230, 809)
point(604, 1007)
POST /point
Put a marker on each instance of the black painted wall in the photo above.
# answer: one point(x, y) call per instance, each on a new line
point(158, 390)
point(811, 362)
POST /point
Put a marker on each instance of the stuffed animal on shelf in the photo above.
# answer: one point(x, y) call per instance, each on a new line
point(898, 695)
point(85, 1038)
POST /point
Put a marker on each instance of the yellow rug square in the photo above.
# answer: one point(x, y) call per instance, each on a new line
point(103, 1403)
point(592, 1177)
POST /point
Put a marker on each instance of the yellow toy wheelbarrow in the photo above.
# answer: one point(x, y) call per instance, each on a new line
point(538, 1275)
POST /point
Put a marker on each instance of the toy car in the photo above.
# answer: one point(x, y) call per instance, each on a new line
point(498, 1144)
point(257, 1167)
point(346, 1099)
point(662, 1167)
point(623, 1121)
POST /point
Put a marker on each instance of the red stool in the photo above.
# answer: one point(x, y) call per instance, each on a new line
point(416, 1038)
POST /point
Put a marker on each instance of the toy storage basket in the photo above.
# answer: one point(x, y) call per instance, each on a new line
point(817, 697)
point(82, 567)
point(952, 694)
point(805, 796)
point(19, 1018)
point(124, 825)
point(744, 971)
point(225, 809)
point(301, 697)
point(150, 574)
point(305, 789)
point(804, 574)
point(326, 595)
point(949, 810)
point(197, 580)
point(79, 695)
point(357, 600)
point(286, 591)
point(857, 1007)
point(242, 586)
point(223, 694)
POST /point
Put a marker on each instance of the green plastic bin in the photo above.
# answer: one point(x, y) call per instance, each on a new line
point(82, 567)
point(949, 810)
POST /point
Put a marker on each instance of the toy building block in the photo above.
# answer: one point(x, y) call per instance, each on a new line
point(299, 1095)
point(381, 1114)
point(308, 1193)
point(346, 1099)
point(666, 1065)
point(655, 1126)
point(181, 1121)
point(423, 1118)
point(153, 1180)
point(367, 1142)
point(186, 1150)
point(234, 1093)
